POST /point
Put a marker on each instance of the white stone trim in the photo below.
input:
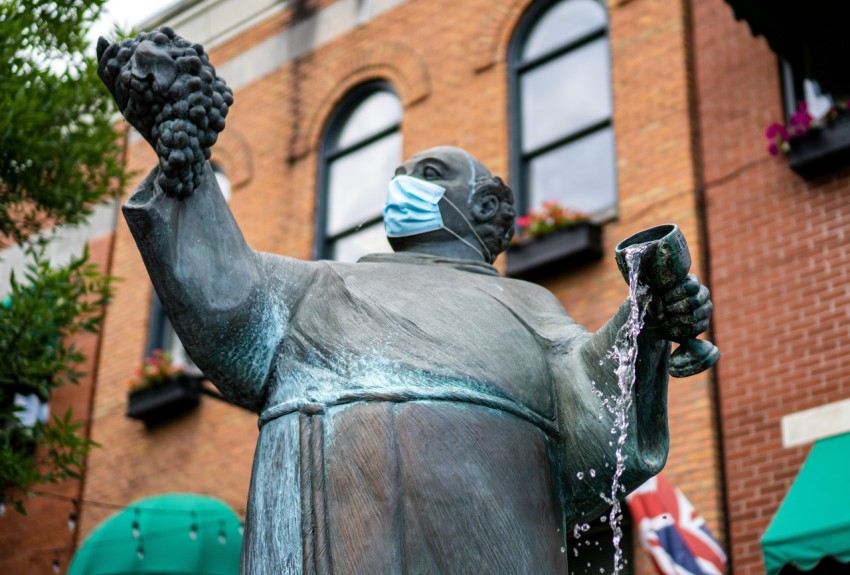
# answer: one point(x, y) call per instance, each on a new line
point(214, 22)
point(198, 22)
point(816, 423)
point(67, 243)
point(323, 27)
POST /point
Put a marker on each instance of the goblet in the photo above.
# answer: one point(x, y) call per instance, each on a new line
point(664, 264)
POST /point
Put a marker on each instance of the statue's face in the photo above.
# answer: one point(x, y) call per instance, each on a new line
point(453, 169)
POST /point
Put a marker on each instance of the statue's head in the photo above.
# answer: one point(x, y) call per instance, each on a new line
point(444, 196)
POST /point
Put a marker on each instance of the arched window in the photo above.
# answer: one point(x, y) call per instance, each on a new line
point(360, 152)
point(560, 78)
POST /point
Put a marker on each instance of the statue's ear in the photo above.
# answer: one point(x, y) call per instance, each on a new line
point(485, 208)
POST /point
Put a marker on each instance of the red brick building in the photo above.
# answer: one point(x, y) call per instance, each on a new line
point(662, 121)
point(779, 266)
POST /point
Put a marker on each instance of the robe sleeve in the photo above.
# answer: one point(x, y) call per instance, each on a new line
point(228, 304)
point(587, 448)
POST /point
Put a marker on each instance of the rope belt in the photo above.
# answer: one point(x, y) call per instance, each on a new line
point(317, 406)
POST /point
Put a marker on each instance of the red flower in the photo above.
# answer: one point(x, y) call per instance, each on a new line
point(552, 217)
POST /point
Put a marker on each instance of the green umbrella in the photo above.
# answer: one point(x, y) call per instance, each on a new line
point(172, 534)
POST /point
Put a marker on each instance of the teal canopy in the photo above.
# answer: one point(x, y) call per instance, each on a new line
point(813, 521)
point(173, 534)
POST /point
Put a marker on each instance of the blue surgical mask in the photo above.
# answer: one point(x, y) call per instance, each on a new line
point(412, 208)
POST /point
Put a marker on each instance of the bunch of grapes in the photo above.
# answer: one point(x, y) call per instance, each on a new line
point(167, 89)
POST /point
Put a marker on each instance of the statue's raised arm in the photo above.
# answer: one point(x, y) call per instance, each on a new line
point(211, 284)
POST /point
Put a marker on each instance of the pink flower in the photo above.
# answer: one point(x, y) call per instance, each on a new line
point(776, 129)
point(801, 120)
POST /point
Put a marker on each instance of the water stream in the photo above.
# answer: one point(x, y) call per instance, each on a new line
point(624, 353)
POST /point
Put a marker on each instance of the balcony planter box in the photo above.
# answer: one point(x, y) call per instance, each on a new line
point(821, 151)
point(155, 404)
point(555, 252)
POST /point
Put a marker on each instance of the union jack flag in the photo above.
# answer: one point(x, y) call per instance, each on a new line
point(672, 531)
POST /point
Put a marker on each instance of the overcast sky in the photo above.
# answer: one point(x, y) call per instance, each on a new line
point(127, 13)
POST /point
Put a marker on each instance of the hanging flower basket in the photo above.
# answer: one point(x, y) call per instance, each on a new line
point(821, 151)
point(175, 396)
point(813, 148)
point(161, 390)
point(552, 240)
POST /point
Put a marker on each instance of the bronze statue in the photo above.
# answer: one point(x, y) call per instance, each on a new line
point(419, 412)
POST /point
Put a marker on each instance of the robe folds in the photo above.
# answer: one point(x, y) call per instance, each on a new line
point(418, 414)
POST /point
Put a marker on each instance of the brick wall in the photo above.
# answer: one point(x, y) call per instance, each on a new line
point(447, 61)
point(29, 544)
point(779, 272)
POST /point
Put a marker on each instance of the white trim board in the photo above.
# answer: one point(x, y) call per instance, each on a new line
point(199, 21)
point(816, 423)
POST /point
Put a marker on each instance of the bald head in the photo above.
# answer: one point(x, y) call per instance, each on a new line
point(456, 164)
point(482, 201)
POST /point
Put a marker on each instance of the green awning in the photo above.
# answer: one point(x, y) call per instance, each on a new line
point(813, 521)
point(174, 534)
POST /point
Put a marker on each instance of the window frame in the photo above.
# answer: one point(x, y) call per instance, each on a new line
point(517, 67)
point(162, 336)
point(329, 153)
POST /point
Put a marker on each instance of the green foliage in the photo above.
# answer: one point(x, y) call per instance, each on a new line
point(58, 152)
point(59, 157)
point(37, 318)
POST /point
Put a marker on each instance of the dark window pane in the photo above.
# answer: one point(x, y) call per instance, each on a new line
point(369, 240)
point(357, 186)
point(579, 175)
point(374, 114)
point(565, 95)
point(566, 22)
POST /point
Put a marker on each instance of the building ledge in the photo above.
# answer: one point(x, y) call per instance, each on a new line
point(817, 423)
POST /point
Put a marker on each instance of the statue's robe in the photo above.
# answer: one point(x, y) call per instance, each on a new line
point(418, 414)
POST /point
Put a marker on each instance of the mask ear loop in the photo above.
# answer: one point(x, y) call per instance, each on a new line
point(488, 257)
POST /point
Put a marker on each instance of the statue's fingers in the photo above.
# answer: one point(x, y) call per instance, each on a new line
point(690, 331)
point(689, 303)
point(692, 316)
point(687, 287)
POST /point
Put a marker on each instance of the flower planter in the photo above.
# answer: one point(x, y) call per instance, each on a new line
point(821, 151)
point(162, 402)
point(555, 252)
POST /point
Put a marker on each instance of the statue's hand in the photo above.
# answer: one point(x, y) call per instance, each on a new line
point(167, 89)
point(682, 312)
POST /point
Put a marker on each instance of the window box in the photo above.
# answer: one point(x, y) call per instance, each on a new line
point(155, 404)
point(555, 252)
point(821, 151)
